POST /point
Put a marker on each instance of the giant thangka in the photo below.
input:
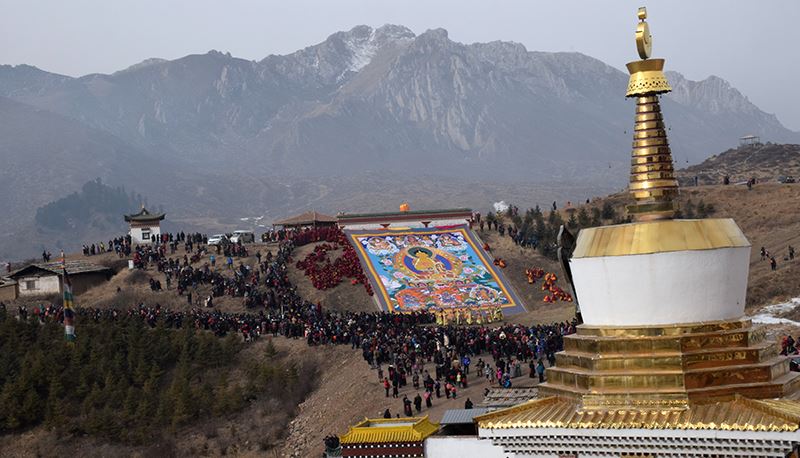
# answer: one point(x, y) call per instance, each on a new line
point(437, 268)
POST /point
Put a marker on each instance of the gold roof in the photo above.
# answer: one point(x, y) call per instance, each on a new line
point(659, 237)
point(391, 430)
point(740, 414)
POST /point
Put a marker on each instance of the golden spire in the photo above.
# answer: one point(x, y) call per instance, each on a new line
point(653, 183)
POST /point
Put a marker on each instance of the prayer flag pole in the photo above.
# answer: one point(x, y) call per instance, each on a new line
point(69, 303)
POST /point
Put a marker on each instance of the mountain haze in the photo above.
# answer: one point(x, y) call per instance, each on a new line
point(216, 137)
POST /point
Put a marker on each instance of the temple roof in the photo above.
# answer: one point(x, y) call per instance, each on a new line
point(739, 414)
point(306, 219)
point(442, 212)
point(390, 430)
point(144, 215)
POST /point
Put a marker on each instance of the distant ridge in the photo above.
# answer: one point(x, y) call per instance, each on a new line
point(222, 137)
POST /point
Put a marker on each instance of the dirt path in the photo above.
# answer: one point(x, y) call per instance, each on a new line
point(350, 391)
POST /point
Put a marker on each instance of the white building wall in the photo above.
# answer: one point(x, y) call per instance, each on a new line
point(461, 447)
point(41, 285)
point(136, 233)
point(662, 288)
point(607, 443)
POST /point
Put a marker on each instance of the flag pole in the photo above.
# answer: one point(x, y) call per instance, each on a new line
point(69, 302)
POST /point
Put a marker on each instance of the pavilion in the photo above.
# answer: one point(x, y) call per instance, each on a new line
point(307, 219)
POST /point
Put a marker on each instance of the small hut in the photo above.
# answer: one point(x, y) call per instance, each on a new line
point(47, 278)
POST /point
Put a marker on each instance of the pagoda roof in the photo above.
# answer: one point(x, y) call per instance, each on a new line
point(739, 414)
point(306, 219)
point(390, 430)
point(144, 215)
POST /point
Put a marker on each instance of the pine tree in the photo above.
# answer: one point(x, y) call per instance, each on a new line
point(572, 222)
point(608, 213)
point(583, 218)
point(597, 219)
point(56, 410)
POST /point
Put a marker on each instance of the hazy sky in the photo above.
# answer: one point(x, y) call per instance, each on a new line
point(752, 44)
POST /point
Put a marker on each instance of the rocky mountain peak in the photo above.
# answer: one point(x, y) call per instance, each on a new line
point(714, 94)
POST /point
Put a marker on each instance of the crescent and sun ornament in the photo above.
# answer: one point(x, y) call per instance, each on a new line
point(644, 41)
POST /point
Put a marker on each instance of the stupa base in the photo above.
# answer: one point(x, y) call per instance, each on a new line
point(669, 366)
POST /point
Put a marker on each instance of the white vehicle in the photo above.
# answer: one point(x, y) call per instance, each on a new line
point(218, 239)
point(243, 237)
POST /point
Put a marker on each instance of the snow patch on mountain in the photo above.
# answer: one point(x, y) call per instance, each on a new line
point(364, 42)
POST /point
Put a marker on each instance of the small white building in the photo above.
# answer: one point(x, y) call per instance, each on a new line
point(144, 226)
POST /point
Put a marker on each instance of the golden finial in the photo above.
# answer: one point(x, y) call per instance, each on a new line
point(644, 41)
point(653, 183)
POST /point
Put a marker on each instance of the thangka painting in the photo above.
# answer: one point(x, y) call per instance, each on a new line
point(432, 269)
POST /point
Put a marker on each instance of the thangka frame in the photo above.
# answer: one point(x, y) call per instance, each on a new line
point(432, 269)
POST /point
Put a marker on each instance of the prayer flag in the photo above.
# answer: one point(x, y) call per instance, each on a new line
point(69, 304)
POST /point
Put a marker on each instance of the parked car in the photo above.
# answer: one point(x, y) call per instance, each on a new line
point(218, 239)
point(243, 237)
point(786, 179)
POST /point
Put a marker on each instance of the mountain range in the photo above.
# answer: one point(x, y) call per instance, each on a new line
point(361, 121)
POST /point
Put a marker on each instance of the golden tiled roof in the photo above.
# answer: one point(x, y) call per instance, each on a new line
point(659, 237)
point(739, 414)
point(390, 430)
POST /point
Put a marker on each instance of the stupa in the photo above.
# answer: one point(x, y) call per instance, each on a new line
point(666, 362)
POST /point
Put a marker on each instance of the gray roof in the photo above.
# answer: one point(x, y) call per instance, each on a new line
point(462, 416)
point(144, 215)
point(73, 268)
point(507, 397)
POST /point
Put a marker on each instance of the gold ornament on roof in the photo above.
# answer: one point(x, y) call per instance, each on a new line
point(653, 184)
point(644, 41)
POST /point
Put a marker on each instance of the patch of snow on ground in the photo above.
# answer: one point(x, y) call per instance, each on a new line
point(500, 207)
point(767, 315)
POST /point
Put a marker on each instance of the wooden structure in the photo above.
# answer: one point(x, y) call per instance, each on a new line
point(144, 226)
point(46, 278)
point(8, 289)
point(388, 438)
point(749, 140)
point(307, 219)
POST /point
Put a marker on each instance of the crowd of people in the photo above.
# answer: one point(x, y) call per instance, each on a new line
point(326, 274)
point(436, 356)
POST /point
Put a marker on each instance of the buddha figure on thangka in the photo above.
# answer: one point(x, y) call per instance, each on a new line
point(432, 270)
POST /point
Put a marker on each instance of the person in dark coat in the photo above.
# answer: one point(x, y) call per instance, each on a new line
point(407, 407)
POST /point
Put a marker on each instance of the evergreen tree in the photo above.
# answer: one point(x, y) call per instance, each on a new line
point(597, 219)
point(583, 218)
point(608, 213)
